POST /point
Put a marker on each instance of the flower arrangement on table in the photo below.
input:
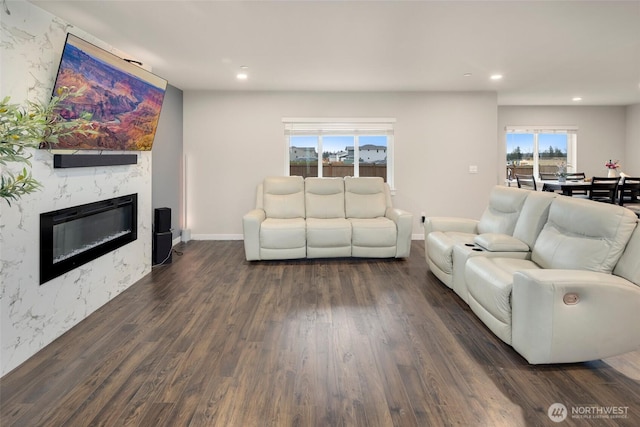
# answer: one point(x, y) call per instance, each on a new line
point(562, 171)
point(612, 165)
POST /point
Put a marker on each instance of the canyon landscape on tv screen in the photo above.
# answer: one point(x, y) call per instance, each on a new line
point(123, 99)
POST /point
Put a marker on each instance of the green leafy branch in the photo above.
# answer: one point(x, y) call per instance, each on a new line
point(31, 126)
point(13, 187)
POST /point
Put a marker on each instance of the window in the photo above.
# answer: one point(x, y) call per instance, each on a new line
point(347, 147)
point(538, 151)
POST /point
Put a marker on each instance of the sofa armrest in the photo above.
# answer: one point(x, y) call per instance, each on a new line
point(496, 242)
point(404, 226)
point(251, 222)
point(564, 316)
point(462, 225)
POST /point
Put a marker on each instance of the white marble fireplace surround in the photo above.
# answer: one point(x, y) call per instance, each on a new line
point(32, 316)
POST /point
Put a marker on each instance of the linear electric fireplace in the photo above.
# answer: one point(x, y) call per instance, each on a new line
point(74, 236)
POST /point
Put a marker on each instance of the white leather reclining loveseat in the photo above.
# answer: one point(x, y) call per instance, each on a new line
point(555, 277)
point(325, 217)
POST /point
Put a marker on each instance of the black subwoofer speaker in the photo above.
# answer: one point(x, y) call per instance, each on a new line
point(162, 220)
point(162, 244)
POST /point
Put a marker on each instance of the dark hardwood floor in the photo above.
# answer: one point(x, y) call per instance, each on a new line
point(212, 340)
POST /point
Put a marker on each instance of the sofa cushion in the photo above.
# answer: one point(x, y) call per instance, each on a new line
point(583, 235)
point(533, 216)
point(283, 197)
point(324, 197)
point(489, 282)
point(462, 253)
point(440, 245)
point(278, 233)
point(500, 216)
point(629, 264)
point(373, 237)
point(328, 237)
point(365, 197)
point(373, 232)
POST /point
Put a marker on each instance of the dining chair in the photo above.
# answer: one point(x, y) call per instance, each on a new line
point(629, 190)
point(577, 176)
point(603, 189)
point(526, 181)
point(548, 176)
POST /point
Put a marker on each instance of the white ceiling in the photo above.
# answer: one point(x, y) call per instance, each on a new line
point(548, 51)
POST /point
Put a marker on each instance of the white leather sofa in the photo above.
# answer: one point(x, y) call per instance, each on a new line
point(573, 297)
point(324, 218)
point(503, 228)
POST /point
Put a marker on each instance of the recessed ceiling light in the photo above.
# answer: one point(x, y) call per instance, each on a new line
point(496, 77)
point(576, 99)
point(467, 75)
point(243, 74)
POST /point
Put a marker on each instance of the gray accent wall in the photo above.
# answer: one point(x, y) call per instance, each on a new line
point(166, 186)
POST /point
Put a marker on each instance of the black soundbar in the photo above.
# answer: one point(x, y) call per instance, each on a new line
point(89, 160)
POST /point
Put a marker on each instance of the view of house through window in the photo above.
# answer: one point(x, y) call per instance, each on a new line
point(347, 149)
point(543, 153)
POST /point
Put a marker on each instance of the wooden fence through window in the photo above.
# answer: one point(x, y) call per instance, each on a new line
point(528, 169)
point(337, 170)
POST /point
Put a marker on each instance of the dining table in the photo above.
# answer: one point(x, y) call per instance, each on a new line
point(567, 187)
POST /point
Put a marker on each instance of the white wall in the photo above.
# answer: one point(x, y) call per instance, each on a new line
point(31, 315)
point(632, 147)
point(601, 133)
point(232, 140)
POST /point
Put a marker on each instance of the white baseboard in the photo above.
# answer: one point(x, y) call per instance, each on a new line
point(175, 241)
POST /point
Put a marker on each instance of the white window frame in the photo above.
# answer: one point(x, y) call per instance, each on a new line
point(355, 127)
point(572, 143)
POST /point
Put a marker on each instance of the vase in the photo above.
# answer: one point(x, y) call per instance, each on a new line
point(562, 178)
point(612, 173)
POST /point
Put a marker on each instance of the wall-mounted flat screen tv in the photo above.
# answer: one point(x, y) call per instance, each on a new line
point(123, 99)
